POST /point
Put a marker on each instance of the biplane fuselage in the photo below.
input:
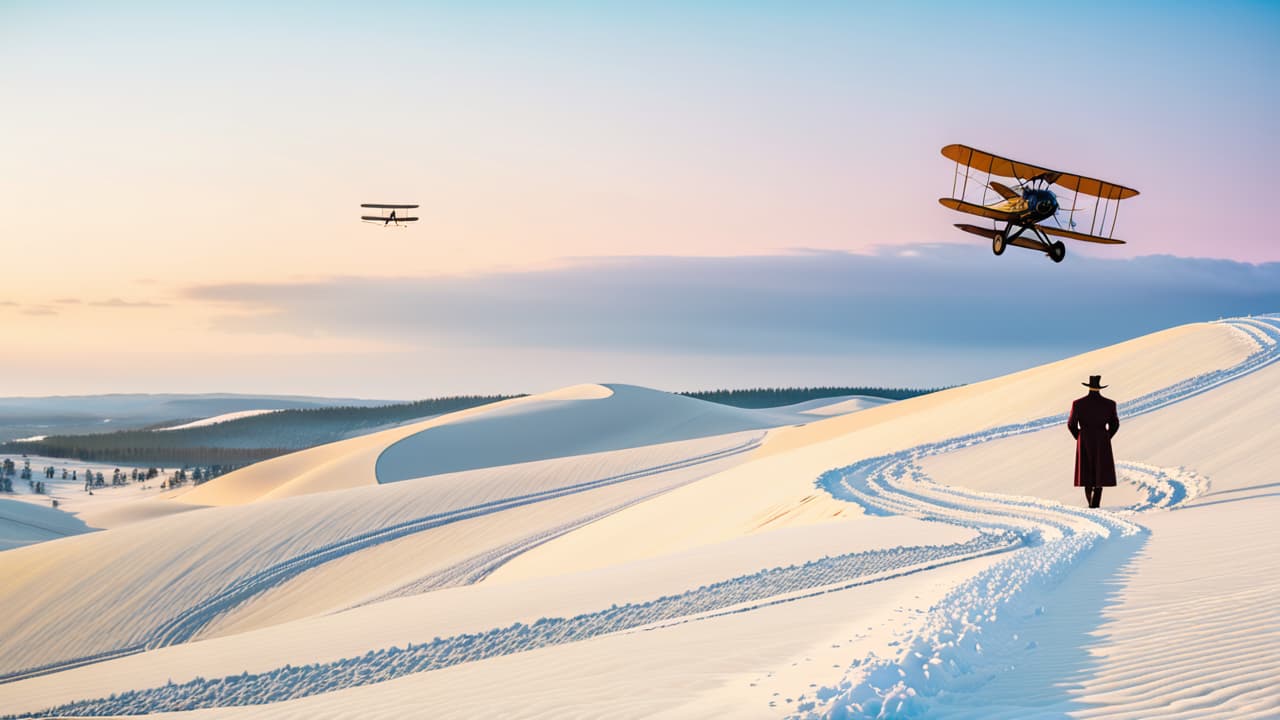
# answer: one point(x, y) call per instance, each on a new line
point(1032, 206)
point(1024, 213)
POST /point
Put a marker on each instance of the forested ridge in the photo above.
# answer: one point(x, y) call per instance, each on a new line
point(767, 397)
point(258, 437)
point(248, 439)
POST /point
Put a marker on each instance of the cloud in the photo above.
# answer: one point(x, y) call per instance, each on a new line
point(118, 303)
point(923, 298)
point(68, 301)
point(38, 310)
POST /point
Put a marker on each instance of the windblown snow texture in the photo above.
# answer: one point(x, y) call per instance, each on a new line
point(972, 634)
point(960, 644)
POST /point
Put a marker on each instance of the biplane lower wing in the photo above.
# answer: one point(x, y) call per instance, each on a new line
point(990, 234)
point(979, 210)
point(1072, 234)
point(1028, 243)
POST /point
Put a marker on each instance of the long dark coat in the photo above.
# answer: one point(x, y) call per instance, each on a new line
point(1093, 422)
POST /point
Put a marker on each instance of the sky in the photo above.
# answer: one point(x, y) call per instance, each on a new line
point(181, 184)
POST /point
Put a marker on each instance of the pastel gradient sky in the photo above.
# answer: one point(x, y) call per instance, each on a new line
point(159, 156)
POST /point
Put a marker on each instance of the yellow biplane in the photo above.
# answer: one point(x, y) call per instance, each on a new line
point(1024, 209)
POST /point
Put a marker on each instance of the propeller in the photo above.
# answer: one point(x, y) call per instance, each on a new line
point(1071, 224)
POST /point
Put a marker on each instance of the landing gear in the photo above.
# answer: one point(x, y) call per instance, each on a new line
point(1057, 251)
point(998, 244)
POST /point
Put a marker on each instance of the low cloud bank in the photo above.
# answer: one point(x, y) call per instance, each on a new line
point(911, 298)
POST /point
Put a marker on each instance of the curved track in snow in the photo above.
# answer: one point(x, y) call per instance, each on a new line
point(946, 654)
point(185, 625)
point(946, 651)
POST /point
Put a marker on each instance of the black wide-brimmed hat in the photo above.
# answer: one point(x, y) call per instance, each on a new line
point(1095, 382)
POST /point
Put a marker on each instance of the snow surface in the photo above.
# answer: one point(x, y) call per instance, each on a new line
point(27, 517)
point(924, 558)
point(578, 420)
point(838, 405)
point(216, 419)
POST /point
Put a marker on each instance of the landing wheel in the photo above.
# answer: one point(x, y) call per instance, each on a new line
point(997, 244)
point(1057, 251)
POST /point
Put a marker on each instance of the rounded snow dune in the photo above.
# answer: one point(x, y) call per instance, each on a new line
point(575, 421)
point(718, 573)
point(334, 466)
point(24, 523)
point(839, 405)
point(777, 488)
point(478, 607)
point(232, 568)
point(216, 419)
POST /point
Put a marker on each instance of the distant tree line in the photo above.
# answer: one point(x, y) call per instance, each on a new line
point(778, 396)
point(245, 440)
point(259, 437)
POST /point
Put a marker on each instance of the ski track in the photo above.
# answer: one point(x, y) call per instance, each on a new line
point(482, 565)
point(735, 595)
point(186, 624)
point(944, 655)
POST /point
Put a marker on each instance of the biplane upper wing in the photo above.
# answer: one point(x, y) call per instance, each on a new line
point(1094, 187)
point(383, 206)
point(979, 210)
point(1061, 232)
point(983, 161)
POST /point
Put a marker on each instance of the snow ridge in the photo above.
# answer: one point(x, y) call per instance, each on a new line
point(945, 655)
point(733, 595)
point(960, 644)
point(185, 624)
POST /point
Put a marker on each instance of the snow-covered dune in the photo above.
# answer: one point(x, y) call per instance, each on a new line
point(24, 523)
point(573, 421)
point(924, 558)
point(838, 405)
point(216, 419)
point(576, 420)
point(777, 488)
point(197, 570)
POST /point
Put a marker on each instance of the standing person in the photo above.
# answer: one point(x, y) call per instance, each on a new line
point(1093, 422)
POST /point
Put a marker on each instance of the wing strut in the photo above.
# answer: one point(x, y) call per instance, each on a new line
point(1114, 217)
point(1071, 223)
point(1103, 225)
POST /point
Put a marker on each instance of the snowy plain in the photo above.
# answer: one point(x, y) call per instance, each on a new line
point(611, 550)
